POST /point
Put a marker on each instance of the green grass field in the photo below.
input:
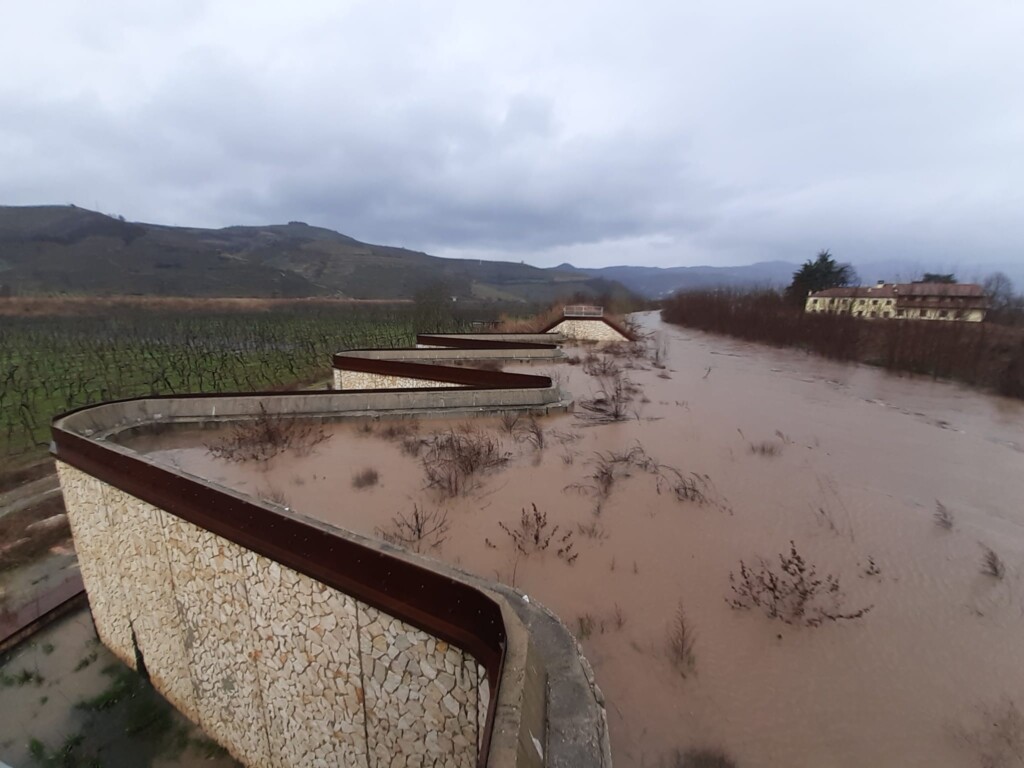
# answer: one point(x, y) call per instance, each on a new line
point(52, 364)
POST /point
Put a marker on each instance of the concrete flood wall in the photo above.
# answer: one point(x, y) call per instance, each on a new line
point(296, 643)
point(599, 329)
point(489, 340)
point(276, 666)
point(432, 362)
point(344, 379)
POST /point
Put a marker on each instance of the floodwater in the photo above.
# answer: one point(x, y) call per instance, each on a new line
point(66, 700)
point(852, 466)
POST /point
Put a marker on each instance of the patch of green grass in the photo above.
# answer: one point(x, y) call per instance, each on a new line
point(86, 660)
point(67, 755)
point(22, 678)
point(125, 684)
point(207, 748)
point(142, 715)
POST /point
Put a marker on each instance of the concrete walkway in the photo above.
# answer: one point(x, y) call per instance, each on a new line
point(26, 495)
point(38, 596)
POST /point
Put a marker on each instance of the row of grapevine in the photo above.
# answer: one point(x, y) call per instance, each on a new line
point(53, 364)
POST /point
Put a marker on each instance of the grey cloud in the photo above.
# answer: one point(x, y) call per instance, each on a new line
point(672, 134)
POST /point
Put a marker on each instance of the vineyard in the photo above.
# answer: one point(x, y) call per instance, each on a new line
point(52, 364)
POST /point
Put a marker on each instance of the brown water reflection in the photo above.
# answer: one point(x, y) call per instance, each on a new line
point(862, 459)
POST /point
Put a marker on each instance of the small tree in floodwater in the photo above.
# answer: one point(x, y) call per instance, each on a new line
point(533, 535)
point(791, 591)
point(419, 531)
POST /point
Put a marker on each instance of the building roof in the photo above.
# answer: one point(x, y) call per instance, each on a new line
point(966, 290)
point(901, 290)
point(873, 291)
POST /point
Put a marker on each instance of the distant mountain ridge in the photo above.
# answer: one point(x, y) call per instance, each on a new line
point(66, 249)
point(660, 282)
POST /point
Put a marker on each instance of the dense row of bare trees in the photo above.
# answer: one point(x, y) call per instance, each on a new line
point(986, 354)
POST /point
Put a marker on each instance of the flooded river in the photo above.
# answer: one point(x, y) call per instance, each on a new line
point(852, 465)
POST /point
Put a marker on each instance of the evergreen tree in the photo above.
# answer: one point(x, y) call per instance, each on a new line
point(817, 275)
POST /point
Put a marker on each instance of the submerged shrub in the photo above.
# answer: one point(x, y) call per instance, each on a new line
point(266, 436)
point(790, 591)
point(452, 460)
point(419, 531)
point(365, 478)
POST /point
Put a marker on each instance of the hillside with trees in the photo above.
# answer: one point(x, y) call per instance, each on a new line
point(71, 250)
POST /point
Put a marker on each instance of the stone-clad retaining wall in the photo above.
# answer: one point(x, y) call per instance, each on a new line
point(363, 380)
point(318, 678)
point(430, 363)
point(355, 655)
point(467, 340)
point(595, 329)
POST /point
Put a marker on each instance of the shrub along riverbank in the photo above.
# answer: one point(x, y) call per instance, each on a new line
point(980, 354)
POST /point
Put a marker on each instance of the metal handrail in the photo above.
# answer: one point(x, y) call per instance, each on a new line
point(582, 310)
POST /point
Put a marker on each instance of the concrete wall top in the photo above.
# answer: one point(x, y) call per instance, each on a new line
point(477, 339)
point(107, 419)
point(468, 377)
point(443, 354)
point(619, 329)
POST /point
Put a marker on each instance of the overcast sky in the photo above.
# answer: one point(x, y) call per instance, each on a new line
point(671, 133)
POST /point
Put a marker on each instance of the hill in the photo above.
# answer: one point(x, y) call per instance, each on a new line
point(66, 249)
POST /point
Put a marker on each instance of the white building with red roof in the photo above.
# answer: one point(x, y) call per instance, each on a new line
point(965, 302)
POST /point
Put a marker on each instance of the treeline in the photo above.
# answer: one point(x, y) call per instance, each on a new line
point(981, 354)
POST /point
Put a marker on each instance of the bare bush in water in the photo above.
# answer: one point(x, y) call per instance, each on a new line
point(419, 531)
point(453, 460)
point(790, 591)
point(534, 534)
point(266, 436)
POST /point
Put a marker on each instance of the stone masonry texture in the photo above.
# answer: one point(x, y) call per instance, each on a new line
point(588, 330)
point(280, 669)
point(360, 380)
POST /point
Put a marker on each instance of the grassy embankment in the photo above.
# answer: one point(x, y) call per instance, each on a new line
point(980, 354)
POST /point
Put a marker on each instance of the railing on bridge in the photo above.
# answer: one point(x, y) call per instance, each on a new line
point(582, 310)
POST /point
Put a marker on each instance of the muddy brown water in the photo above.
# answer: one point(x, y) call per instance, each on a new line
point(46, 680)
point(856, 463)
